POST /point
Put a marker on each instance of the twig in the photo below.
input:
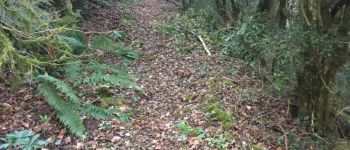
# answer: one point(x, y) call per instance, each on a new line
point(304, 14)
point(312, 121)
point(315, 134)
point(285, 137)
point(324, 83)
point(204, 45)
point(202, 41)
point(199, 38)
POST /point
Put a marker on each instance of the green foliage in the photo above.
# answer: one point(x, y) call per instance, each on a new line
point(22, 140)
point(66, 113)
point(278, 53)
point(124, 117)
point(69, 106)
point(98, 75)
point(216, 113)
point(218, 142)
point(187, 130)
point(75, 40)
point(33, 41)
point(44, 118)
point(104, 42)
point(118, 36)
point(273, 50)
point(30, 37)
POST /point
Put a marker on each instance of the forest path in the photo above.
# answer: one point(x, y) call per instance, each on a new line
point(178, 86)
point(160, 71)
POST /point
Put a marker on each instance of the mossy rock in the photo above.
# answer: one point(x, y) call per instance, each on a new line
point(216, 113)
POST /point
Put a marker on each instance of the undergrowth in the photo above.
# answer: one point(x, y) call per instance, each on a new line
point(216, 113)
point(41, 48)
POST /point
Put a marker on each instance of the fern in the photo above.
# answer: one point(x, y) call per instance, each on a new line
point(76, 72)
point(99, 74)
point(98, 112)
point(72, 71)
point(63, 87)
point(75, 40)
point(32, 42)
point(114, 81)
point(106, 43)
point(65, 112)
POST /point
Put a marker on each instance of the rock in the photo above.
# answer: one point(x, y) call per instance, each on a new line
point(115, 139)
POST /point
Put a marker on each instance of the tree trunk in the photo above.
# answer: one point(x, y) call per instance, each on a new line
point(276, 11)
point(315, 82)
point(221, 9)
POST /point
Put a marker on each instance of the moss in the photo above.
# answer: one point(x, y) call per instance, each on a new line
point(214, 82)
point(187, 110)
point(216, 113)
point(188, 98)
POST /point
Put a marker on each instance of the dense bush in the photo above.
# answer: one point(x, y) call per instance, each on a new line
point(273, 50)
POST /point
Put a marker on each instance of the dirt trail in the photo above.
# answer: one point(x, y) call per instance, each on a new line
point(170, 80)
point(161, 72)
point(157, 76)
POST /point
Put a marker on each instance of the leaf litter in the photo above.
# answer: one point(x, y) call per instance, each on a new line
point(176, 88)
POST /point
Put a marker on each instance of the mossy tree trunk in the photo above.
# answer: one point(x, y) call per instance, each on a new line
point(315, 81)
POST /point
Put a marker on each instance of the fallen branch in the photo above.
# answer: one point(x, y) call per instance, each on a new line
point(198, 37)
point(285, 136)
point(202, 41)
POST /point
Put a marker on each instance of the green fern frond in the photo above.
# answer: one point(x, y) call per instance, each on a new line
point(106, 43)
point(65, 112)
point(73, 43)
point(97, 74)
point(98, 112)
point(73, 72)
point(75, 40)
point(115, 81)
point(73, 122)
point(63, 87)
point(108, 69)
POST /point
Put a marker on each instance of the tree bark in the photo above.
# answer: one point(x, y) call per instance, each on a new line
point(314, 85)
